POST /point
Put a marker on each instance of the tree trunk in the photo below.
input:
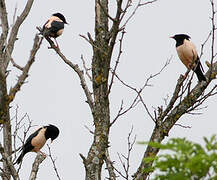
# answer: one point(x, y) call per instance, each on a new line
point(101, 112)
point(5, 119)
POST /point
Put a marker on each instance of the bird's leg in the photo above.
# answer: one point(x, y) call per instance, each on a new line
point(43, 154)
point(53, 44)
point(185, 75)
point(56, 43)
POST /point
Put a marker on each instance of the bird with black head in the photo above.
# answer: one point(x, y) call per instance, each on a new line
point(54, 26)
point(188, 55)
point(36, 141)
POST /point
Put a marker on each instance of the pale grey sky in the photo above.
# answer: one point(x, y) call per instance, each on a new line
point(53, 93)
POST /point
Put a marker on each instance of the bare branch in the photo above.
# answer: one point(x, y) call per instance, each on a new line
point(138, 97)
point(12, 61)
point(85, 68)
point(109, 166)
point(20, 123)
point(53, 162)
point(122, 112)
point(10, 165)
point(15, 29)
point(24, 75)
point(117, 62)
point(4, 23)
point(139, 4)
point(183, 126)
point(35, 166)
point(76, 68)
point(174, 97)
point(213, 29)
point(125, 160)
point(149, 2)
point(90, 131)
point(204, 43)
point(15, 14)
point(90, 40)
point(202, 99)
point(113, 32)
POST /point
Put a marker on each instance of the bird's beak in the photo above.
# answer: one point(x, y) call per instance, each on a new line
point(172, 37)
point(51, 141)
point(67, 23)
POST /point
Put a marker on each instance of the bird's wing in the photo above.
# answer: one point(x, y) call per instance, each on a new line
point(28, 146)
point(56, 26)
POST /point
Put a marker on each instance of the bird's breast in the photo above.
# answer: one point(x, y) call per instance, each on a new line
point(39, 140)
point(187, 53)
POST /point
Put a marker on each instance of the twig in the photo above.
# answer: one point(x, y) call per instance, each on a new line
point(183, 126)
point(149, 2)
point(139, 4)
point(173, 99)
point(90, 131)
point(14, 31)
point(15, 13)
point(125, 160)
point(204, 43)
point(91, 42)
point(202, 99)
point(26, 130)
point(117, 61)
point(9, 163)
point(13, 62)
point(4, 23)
point(85, 68)
point(53, 162)
point(109, 166)
point(24, 75)
point(76, 68)
point(138, 97)
point(213, 29)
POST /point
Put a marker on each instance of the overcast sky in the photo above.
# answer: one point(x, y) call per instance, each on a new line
point(53, 93)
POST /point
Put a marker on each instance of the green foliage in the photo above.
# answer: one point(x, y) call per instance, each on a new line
point(186, 160)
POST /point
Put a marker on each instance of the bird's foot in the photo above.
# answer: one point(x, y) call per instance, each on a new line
point(53, 46)
point(43, 154)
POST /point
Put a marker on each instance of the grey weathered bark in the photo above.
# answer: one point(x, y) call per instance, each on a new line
point(101, 113)
point(35, 166)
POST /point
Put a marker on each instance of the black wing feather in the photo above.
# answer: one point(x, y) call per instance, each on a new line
point(56, 26)
point(52, 31)
point(27, 146)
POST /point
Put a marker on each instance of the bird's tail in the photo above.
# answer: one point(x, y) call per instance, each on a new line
point(20, 158)
point(199, 72)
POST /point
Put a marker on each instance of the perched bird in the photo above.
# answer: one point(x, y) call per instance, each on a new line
point(188, 55)
point(54, 26)
point(37, 140)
